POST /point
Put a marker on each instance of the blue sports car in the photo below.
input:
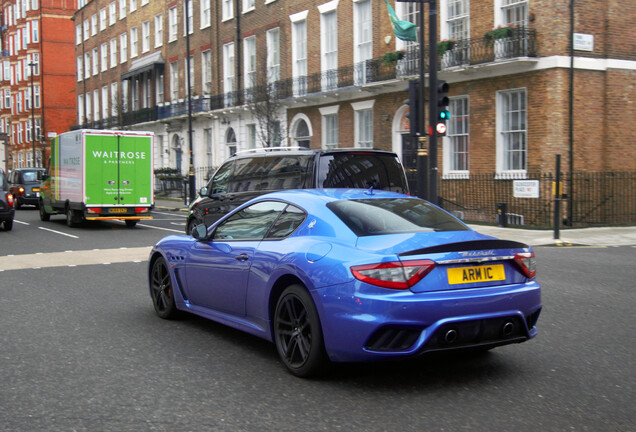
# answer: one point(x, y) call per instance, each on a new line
point(349, 275)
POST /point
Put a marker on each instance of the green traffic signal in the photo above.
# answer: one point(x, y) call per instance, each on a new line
point(444, 114)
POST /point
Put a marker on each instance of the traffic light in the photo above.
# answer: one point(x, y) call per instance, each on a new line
point(413, 103)
point(443, 114)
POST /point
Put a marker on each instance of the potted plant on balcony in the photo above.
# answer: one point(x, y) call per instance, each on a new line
point(445, 45)
point(500, 32)
point(392, 57)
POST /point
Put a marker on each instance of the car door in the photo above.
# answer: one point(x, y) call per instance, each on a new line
point(218, 268)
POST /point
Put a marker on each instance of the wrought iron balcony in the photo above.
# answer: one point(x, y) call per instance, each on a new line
point(464, 53)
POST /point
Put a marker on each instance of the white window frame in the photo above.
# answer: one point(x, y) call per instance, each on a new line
point(158, 30)
point(123, 48)
point(227, 9)
point(95, 60)
point(273, 55)
point(113, 99)
point(454, 135)
point(145, 36)
point(327, 114)
point(122, 9)
point(503, 140)
point(103, 23)
point(360, 43)
point(359, 108)
point(113, 52)
point(104, 57)
point(134, 42)
point(228, 73)
point(248, 5)
point(249, 60)
point(206, 72)
point(329, 54)
point(299, 52)
point(112, 13)
point(174, 81)
point(205, 13)
point(173, 25)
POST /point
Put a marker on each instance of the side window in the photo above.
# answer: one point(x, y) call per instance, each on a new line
point(286, 223)
point(247, 175)
point(219, 182)
point(251, 223)
point(285, 172)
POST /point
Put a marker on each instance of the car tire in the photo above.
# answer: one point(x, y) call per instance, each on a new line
point(70, 218)
point(18, 204)
point(298, 334)
point(44, 216)
point(131, 223)
point(161, 289)
point(191, 225)
point(8, 225)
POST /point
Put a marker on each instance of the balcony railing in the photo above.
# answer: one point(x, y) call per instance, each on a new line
point(521, 43)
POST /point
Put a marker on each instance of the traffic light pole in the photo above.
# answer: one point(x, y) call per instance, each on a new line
point(432, 106)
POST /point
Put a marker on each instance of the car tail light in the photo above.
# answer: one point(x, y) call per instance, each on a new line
point(395, 275)
point(95, 210)
point(141, 209)
point(10, 200)
point(525, 262)
point(21, 190)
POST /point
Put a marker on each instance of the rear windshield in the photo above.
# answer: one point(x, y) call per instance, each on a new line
point(362, 170)
point(262, 174)
point(29, 176)
point(367, 217)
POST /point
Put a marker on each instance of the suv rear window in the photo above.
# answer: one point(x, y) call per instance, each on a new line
point(369, 217)
point(361, 170)
point(262, 174)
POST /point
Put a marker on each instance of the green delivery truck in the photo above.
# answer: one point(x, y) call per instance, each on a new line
point(99, 175)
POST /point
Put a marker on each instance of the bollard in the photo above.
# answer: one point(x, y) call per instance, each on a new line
point(501, 214)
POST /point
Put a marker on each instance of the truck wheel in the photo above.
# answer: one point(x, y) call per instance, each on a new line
point(70, 218)
point(131, 223)
point(44, 216)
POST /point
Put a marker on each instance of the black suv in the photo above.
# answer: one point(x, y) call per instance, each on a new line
point(24, 184)
point(251, 173)
point(7, 212)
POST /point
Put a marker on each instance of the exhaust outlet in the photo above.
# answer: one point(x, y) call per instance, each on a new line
point(507, 329)
point(450, 336)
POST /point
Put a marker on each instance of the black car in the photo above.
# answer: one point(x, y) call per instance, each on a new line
point(24, 184)
point(7, 212)
point(251, 173)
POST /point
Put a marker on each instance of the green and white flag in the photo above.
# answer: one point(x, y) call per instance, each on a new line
point(405, 30)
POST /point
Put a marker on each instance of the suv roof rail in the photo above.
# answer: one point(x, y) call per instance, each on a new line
point(266, 149)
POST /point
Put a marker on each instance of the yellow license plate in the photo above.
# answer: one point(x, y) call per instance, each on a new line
point(36, 189)
point(118, 210)
point(487, 273)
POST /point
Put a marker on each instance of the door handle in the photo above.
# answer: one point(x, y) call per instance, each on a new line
point(241, 257)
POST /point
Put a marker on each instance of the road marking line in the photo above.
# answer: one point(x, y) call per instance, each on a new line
point(74, 258)
point(160, 228)
point(20, 222)
point(165, 214)
point(58, 232)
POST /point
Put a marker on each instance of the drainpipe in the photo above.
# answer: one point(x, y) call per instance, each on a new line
point(571, 120)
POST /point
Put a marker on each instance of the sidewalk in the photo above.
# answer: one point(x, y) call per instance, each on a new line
point(604, 236)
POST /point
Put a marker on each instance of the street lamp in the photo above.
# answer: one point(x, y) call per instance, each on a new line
point(32, 65)
point(188, 83)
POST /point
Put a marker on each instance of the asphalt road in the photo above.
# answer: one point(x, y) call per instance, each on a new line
point(82, 350)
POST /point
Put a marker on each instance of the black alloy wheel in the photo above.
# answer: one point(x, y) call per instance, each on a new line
point(298, 334)
point(162, 292)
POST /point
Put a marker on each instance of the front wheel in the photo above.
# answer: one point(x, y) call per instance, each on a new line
point(191, 226)
point(161, 290)
point(298, 334)
point(44, 216)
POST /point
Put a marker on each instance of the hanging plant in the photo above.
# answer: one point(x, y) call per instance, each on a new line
point(392, 57)
point(498, 33)
point(445, 45)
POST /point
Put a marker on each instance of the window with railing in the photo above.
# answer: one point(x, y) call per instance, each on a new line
point(228, 74)
point(174, 81)
point(329, 48)
point(249, 54)
point(363, 39)
point(273, 55)
point(299, 53)
point(512, 132)
point(515, 12)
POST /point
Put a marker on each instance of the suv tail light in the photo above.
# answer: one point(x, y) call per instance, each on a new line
point(526, 263)
point(399, 275)
point(10, 200)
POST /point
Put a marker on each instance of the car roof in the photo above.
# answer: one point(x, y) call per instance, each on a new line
point(277, 151)
point(311, 198)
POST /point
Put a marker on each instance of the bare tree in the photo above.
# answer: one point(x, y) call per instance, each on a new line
point(263, 101)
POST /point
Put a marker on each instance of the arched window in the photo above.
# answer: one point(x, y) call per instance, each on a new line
point(301, 134)
point(230, 141)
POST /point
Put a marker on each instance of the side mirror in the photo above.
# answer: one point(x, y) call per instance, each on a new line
point(203, 191)
point(200, 231)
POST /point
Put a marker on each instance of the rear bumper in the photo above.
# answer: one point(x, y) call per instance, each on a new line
point(362, 323)
point(122, 217)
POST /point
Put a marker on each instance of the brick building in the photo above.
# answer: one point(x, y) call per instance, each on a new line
point(37, 78)
point(311, 73)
